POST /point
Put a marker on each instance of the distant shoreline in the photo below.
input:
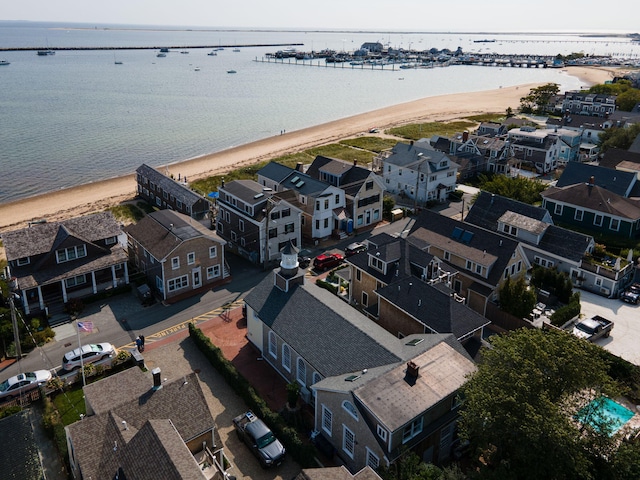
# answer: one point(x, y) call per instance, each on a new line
point(97, 196)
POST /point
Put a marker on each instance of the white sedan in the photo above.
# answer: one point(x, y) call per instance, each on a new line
point(87, 354)
point(22, 383)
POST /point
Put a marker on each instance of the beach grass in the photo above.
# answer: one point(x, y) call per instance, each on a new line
point(488, 117)
point(373, 144)
point(127, 212)
point(416, 131)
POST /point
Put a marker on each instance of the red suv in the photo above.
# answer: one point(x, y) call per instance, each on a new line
point(327, 260)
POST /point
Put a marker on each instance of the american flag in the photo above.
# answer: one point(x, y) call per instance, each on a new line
point(85, 327)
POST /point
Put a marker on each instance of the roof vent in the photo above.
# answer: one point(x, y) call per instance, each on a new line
point(412, 372)
point(157, 381)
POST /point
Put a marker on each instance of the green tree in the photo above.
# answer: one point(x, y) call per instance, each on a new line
point(516, 298)
point(520, 406)
point(627, 100)
point(618, 137)
point(410, 467)
point(538, 98)
point(519, 188)
point(387, 205)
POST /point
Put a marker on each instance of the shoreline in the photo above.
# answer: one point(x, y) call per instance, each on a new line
point(97, 196)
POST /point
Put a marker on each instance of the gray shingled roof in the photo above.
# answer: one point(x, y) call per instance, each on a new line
point(433, 307)
point(19, 457)
point(488, 208)
point(158, 422)
point(161, 232)
point(329, 334)
point(41, 238)
point(169, 185)
point(408, 156)
point(484, 247)
point(595, 198)
point(246, 190)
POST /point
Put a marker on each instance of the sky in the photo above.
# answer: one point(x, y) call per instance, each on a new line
point(386, 15)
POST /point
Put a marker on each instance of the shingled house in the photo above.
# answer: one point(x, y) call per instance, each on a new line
point(167, 192)
point(140, 427)
point(50, 263)
point(354, 372)
point(178, 255)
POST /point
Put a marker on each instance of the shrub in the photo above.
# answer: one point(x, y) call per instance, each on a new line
point(54, 427)
point(302, 453)
point(327, 286)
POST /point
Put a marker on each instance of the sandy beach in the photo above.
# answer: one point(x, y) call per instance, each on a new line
point(97, 196)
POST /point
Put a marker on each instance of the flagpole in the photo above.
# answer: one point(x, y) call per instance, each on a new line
point(84, 384)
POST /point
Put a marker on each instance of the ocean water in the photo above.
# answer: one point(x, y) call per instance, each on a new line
point(77, 117)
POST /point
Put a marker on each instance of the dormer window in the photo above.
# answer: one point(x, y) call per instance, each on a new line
point(376, 263)
point(71, 253)
point(110, 240)
point(23, 261)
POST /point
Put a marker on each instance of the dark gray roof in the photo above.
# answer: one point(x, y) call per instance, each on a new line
point(615, 156)
point(578, 121)
point(19, 457)
point(478, 245)
point(295, 180)
point(595, 198)
point(169, 185)
point(434, 308)
point(246, 190)
point(275, 171)
point(348, 173)
point(42, 238)
point(614, 181)
point(488, 208)
point(161, 232)
point(408, 156)
point(344, 340)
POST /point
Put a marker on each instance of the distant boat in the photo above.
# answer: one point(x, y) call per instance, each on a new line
point(197, 69)
point(117, 62)
point(161, 55)
point(231, 71)
point(4, 62)
point(236, 49)
point(212, 53)
point(44, 53)
point(184, 51)
point(164, 50)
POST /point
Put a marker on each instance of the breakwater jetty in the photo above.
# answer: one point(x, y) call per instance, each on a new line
point(158, 47)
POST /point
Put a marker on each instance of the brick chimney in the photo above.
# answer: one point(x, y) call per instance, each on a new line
point(465, 135)
point(412, 369)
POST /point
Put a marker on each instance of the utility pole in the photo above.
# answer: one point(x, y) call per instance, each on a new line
point(415, 196)
point(14, 322)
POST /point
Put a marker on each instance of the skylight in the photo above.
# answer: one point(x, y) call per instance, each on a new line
point(258, 195)
point(300, 183)
point(415, 342)
point(295, 179)
point(467, 236)
point(352, 378)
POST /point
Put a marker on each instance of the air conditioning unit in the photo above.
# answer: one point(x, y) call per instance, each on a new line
point(605, 291)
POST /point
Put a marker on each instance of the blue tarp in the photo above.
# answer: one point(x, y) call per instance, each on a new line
point(213, 195)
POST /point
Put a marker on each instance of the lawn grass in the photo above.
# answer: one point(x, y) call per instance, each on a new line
point(70, 405)
point(416, 131)
point(488, 117)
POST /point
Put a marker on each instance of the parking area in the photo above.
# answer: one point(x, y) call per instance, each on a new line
point(625, 336)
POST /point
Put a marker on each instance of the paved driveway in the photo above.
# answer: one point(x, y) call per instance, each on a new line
point(625, 337)
point(178, 358)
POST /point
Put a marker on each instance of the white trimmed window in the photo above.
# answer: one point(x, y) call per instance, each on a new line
point(241, 225)
point(578, 215)
point(411, 430)
point(372, 459)
point(365, 299)
point(350, 409)
point(191, 258)
point(71, 253)
point(23, 261)
point(597, 220)
point(348, 441)
point(614, 224)
point(75, 281)
point(301, 372)
point(175, 263)
point(558, 209)
point(110, 240)
point(286, 357)
point(213, 271)
point(273, 345)
point(382, 433)
point(178, 283)
point(327, 420)
point(213, 252)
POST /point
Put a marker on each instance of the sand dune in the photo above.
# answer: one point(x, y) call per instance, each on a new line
point(97, 196)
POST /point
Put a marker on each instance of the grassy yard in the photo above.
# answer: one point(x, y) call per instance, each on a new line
point(70, 405)
point(416, 131)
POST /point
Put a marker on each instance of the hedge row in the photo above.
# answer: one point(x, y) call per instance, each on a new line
point(301, 453)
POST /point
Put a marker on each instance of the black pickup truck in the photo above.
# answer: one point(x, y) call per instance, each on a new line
point(260, 439)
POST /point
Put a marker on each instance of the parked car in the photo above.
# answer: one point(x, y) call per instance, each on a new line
point(354, 248)
point(326, 261)
point(260, 439)
point(23, 383)
point(304, 258)
point(631, 294)
point(90, 353)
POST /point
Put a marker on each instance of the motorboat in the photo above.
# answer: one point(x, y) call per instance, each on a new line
point(4, 62)
point(231, 71)
point(161, 55)
point(44, 53)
